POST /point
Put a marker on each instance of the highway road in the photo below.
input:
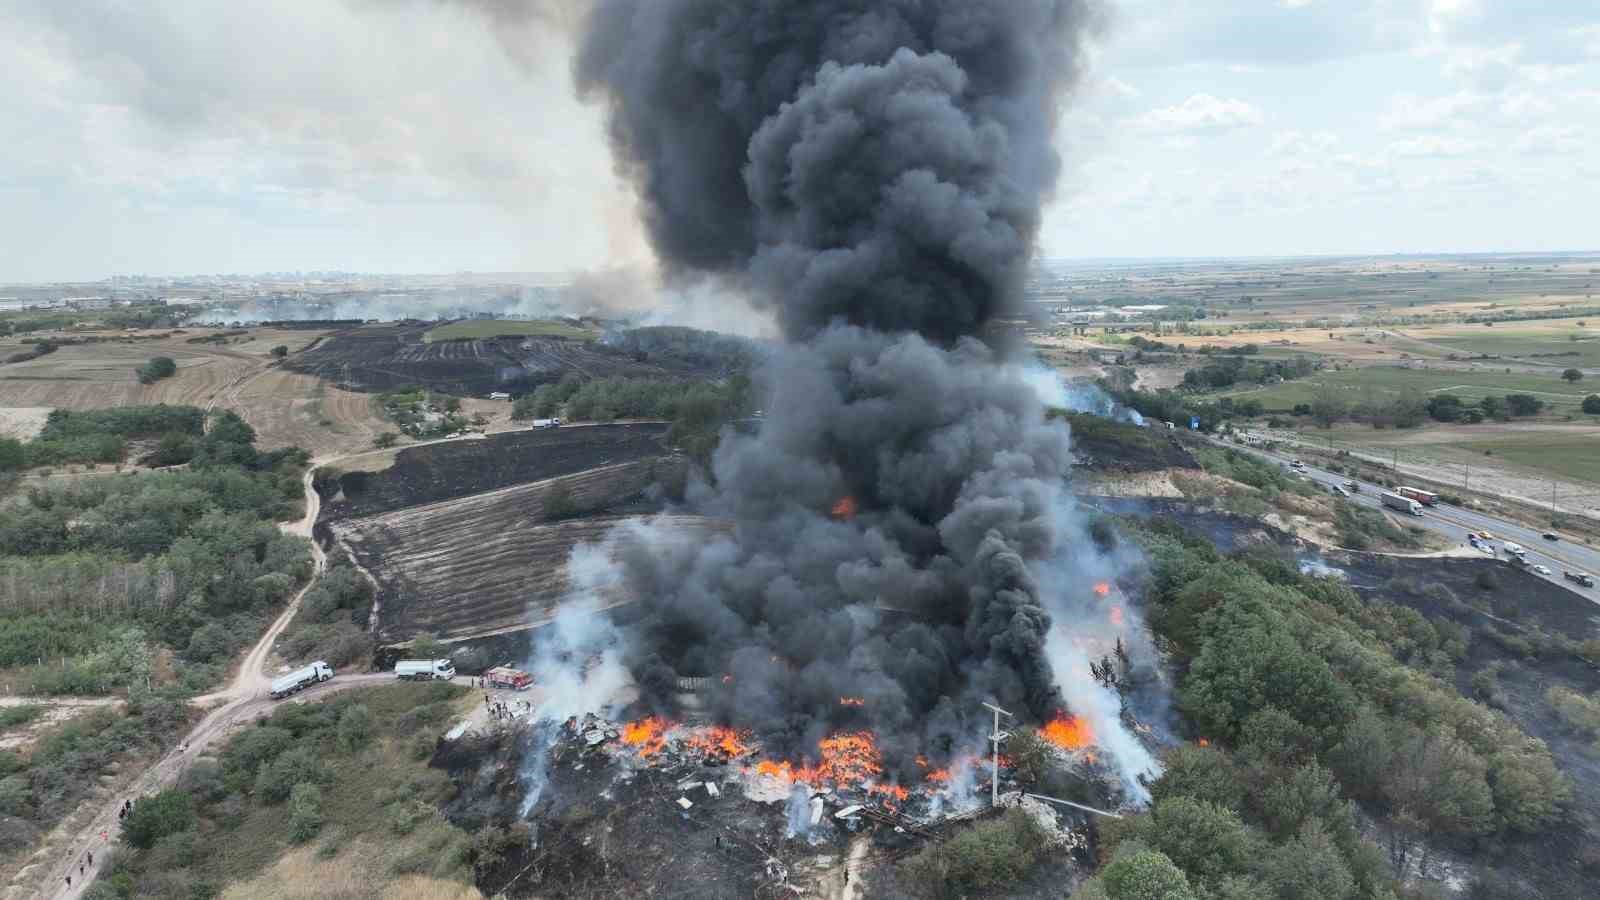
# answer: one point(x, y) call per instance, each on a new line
point(1455, 522)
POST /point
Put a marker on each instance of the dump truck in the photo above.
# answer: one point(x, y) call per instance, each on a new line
point(300, 679)
point(1582, 578)
point(508, 678)
point(1404, 504)
point(424, 670)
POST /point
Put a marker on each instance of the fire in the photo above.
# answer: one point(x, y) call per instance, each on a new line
point(852, 701)
point(1204, 743)
point(1102, 588)
point(845, 508)
point(649, 735)
point(893, 793)
point(922, 761)
point(1068, 732)
point(938, 776)
point(719, 741)
point(1116, 616)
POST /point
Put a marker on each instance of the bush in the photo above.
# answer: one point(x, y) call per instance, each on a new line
point(156, 369)
point(355, 727)
point(991, 853)
point(305, 812)
point(1146, 875)
point(153, 818)
point(386, 440)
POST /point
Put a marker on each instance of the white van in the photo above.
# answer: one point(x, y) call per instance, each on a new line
point(1514, 549)
point(424, 670)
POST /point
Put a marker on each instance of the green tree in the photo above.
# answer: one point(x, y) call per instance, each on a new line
point(1591, 404)
point(280, 351)
point(1573, 375)
point(1146, 875)
point(1204, 773)
point(14, 457)
point(1310, 867)
point(1204, 840)
point(153, 818)
point(355, 727)
point(426, 646)
point(1328, 405)
point(1524, 404)
point(305, 812)
point(558, 502)
point(386, 440)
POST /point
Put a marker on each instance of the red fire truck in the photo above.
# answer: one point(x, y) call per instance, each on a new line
point(507, 678)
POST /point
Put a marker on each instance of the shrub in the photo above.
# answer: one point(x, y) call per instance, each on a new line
point(157, 368)
point(305, 812)
point(1147, 875)
point(153, 818)
point(355, 727)
point(989, 854)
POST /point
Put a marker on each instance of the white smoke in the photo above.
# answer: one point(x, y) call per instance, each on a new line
point(798, 812)
point(575, 660)
point(1073, 396)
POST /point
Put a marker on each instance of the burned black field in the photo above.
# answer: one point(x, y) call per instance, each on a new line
point(385, 357)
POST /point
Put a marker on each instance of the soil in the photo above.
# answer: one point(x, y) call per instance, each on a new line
point(385, 357)
point(450, 469)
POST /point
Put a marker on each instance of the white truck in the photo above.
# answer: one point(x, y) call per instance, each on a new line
point(424, 670)
point(1516, 550)
point(1404, 504)
point(300, 679)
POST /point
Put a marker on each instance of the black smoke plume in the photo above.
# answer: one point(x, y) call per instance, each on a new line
point(874, 173)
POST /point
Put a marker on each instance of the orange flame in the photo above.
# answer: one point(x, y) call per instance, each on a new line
point(719, 741)
point(1102, 588)
point(852, 701)
point(845, 507)
point(1204, 743)
point(649, 735)
point(938, 776)
point(1068, 732)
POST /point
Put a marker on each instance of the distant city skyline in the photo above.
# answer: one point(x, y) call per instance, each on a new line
point(414, 138)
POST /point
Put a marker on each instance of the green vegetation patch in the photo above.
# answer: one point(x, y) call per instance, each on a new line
point(697, 409)
point(1356, 383)
point(348, 776)
point(476, 329)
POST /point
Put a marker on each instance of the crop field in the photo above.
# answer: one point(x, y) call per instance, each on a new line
point(1560, 396)
point(489, 562)
point(385, 357)
point(443, 471)
point(491, 328)
point(289, 409)
point(1559, 342)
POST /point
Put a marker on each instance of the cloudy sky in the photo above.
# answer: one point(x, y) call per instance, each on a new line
point(168, 136)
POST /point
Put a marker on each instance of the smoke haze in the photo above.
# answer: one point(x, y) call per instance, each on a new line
point(873, 173)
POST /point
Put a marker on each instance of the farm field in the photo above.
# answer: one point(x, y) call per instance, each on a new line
point(488, 562)
point(1561, 397)
point(385, 357)
point(1559, 343)
point(98, 375)
point(491, 328)
point(444, 471)
point(289, 409)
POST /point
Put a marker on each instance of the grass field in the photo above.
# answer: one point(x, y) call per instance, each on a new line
point(1562, 398)
point(1558, 343)
point(490, 328)
point(1536, 450)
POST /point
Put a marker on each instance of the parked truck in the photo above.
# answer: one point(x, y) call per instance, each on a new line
point(1404, 504)
point(507, 678)
point(424, 670)
point(300, 679)
point(1582, 578)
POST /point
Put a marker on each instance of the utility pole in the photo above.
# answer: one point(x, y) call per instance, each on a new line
point(996, 737)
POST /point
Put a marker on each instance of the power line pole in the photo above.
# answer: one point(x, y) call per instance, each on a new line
point(995, 737)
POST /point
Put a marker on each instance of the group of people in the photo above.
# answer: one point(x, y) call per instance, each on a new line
point(506, 711)
point(83, 864)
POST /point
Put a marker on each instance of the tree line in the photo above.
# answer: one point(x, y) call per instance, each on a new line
point(1312, 701)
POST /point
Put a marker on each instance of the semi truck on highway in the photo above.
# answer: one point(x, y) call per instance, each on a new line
point(424, 670)
point(300, 679)
point(1404, 504)
point(1426, 498)
point(1582, 578)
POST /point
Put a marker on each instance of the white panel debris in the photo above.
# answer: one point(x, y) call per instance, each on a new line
point(685, 802)
point(848, 811)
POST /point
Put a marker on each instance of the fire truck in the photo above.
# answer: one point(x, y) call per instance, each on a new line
point(1426, 498)
point(507, 678)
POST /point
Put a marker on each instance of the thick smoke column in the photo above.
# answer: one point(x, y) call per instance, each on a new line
point(874, 173)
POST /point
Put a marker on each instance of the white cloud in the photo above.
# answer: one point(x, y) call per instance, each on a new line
point(1409, 112)
point(1302, 143)
point(1588, 37)
point(1202, 113)
point(1551, 140)
point(1488, 68)
point(1436, 146)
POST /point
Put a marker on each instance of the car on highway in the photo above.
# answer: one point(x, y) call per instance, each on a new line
point(1351, 486)
point(1542, 570)
point(1341, 490)
point(1550, 536)
point(1485, 536)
